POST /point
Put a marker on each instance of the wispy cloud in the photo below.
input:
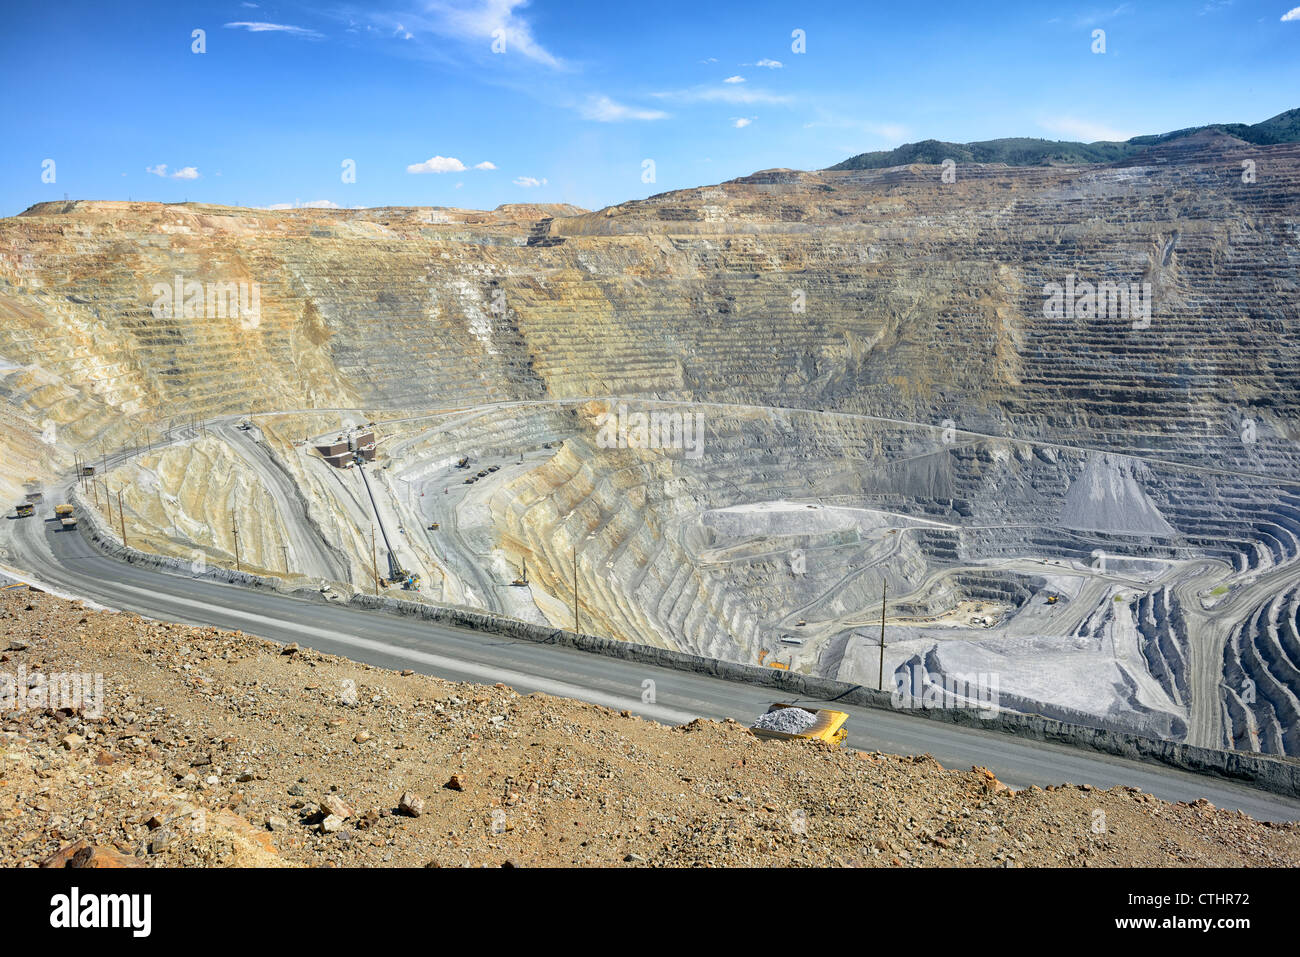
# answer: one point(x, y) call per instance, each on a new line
point(734, 79)
point(1086, 130)
point(604, 110)
point(491, 25)
point(735, 93)
point(740, 122)
point(1099, 16)
point(770, 64)
point(529, 182)
point(486, 164)
point(310, 204)
point(892, 132)
point(275, 28)
point(185, 172)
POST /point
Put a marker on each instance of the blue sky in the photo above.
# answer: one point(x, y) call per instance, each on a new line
point(585, 91)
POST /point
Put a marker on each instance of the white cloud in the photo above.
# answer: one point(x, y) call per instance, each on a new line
point(486, 164)
point(528, 182)
point(724, 94)
point(604, 110)
point(1291, 15)
point(404, 33)
point(770, 64)
point(1085, 130)
point(734, 79)
point(740, 122)
point(274, 28)
point(185, 172)
point(475, 21)
point(437, 164)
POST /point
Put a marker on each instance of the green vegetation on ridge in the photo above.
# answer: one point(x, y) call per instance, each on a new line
point(1025, 151)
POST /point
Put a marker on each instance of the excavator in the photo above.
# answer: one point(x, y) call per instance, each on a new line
point(522, 582)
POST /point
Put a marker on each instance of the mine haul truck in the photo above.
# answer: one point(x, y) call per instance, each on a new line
point(829, 727)
point(66, 515)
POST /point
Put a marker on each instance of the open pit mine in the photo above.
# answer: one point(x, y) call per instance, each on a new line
point(1045, 418)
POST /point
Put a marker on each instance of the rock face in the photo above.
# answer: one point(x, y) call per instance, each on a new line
point(883, 292)
point(1081, 378)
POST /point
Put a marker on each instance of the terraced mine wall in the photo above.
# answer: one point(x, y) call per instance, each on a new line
point(1276, 775)
point(881, 292)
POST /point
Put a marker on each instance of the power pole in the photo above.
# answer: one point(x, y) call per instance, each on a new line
point(121, 516)
point(108, 501)
point(234, 527)
point(884, 588)
point(374, 557)
point(575, 590)
point(285, 549)
point(95, 486)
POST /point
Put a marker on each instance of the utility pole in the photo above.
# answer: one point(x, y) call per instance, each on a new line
point(285, 549)
point(121, 516)
point(374, 557)
point(108, 501)
point(884, 587)
point(575, 590)
point(95, 486)
point(234, 527)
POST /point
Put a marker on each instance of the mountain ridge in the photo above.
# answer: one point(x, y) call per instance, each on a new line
point(1030, 151)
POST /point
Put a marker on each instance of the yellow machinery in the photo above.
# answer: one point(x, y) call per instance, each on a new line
point(26, 509)
point(830, 726)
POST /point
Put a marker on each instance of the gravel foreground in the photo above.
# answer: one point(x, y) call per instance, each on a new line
point(215, 748)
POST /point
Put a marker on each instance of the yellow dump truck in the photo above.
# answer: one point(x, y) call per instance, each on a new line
point(25, 509)
point(67, 515)
point(827, 725)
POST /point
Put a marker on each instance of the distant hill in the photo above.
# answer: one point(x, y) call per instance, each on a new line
point(1024, 151)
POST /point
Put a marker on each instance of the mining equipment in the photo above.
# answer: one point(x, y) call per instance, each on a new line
point(25, 509)
point(522, 582)
point(829, 727)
